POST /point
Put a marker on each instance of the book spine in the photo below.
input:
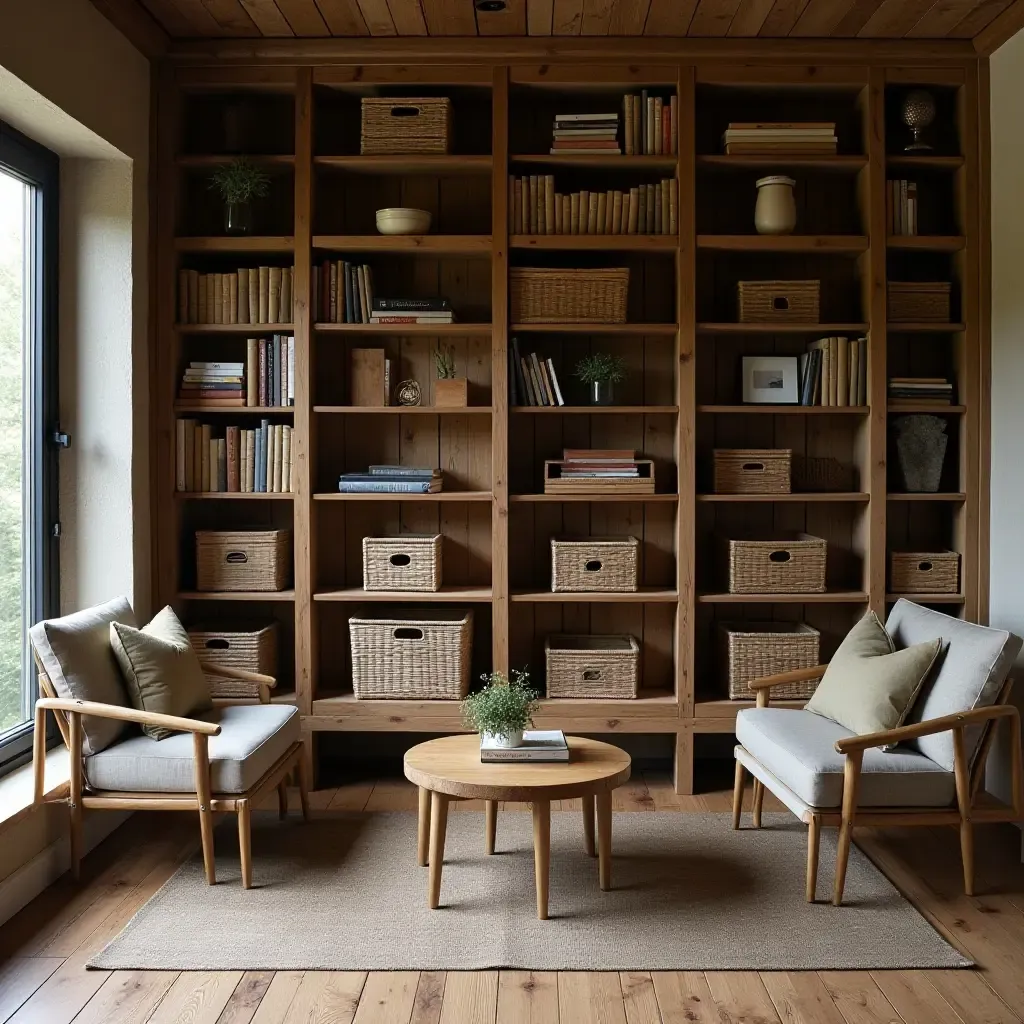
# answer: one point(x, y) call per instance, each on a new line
point(538, 380)
point(634, 211)
point(264, 294)
point(842, 371)
point(350, 294)
point(584, 211)
point(287, 279)
point(197, 457)
point(656, 221)
point(183, 297)
point(384, 486)
point(559, 400)
point(190, 454)
point(274, 295)
point(204, 457)
point(549, 204)
point(533, 205)
point(517, 206)
point(179, 453)
point(592, 214)
point(252, 291)
point(286, 459)
point(627, 124)
point(658, 106)
point(291, 369)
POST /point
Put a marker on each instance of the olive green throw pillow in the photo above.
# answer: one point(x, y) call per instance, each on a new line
point(870, 686)
point(161, 670)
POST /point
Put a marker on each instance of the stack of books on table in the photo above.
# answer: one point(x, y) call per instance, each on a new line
point(650, 125)
point(392, 480)
point(411, 311)
point(532, 379)
point(212, 385)
point(538, 746)
point(342, 292)
point(779, 138)
point(833, 371)
point(920, 391)
point(597, 471)
point(594, 134)
point(247, 461)
point(901, 207)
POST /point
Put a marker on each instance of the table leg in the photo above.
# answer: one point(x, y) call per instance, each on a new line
point(491, 813)
point(423, 828)
point(588, 825)
point(604, 839)
point(438, 825)
point(542, 853)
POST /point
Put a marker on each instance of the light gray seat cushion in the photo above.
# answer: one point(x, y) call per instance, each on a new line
point(969, 673)
point(252, 738)
point(76, 656)
point(798, 748)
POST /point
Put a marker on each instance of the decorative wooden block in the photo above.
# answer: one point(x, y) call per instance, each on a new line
point(369, 376)
point(451, 394)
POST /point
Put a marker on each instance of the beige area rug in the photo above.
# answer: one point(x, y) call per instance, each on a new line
point(345, 893)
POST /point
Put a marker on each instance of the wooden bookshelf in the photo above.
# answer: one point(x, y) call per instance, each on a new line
point(682, 343)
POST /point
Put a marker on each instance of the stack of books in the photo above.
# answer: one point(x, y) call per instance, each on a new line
point(257, 460)
point(901, 207)
point(598, 464)
point(249, 295)
point(393, 480)
point(412, 311)
point(777, 138)
point(595, 134)
point(342, 292)
point(211, 385)
point(920, 391)
point(651, 125)
point(833, 371)
point(532, 379)
point(539, 746)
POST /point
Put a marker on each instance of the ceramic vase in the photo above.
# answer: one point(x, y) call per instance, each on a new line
point(237, 218)
point(505, 741)
point(921, 442)
point(775, 212)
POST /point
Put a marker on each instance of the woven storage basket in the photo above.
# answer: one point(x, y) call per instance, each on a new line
point(753, 650)
point(821, 473)
point(557, 295)
point(924, 572)
point(766, 301)
point(788, 564)
point(243, 559)
point(911, 301)
point(752, 470)
point(410, 562)
point(411, 654)
point(251, 648)
point(395, 125)
point(592, 666)
point(597, 564)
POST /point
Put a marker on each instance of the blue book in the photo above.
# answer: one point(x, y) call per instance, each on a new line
point(382, 485)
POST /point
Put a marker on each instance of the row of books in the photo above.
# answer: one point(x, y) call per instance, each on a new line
point(342, 292)
point(586, 133)
point(243, 460)
point(392, 480)
point(803, 138)
point(598, 463)
point(651, 125)
point(901, 207)
point(921, 390)
point(532, 379)
point(537, 209)
point(833, 371)
point(249, 295)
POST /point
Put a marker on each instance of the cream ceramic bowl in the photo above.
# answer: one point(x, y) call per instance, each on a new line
point(400, 220)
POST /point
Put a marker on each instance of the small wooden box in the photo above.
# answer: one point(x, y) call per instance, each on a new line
point(555, 483)
point(409, 563)
point(919, 301)
point(451, 393)
point(243, 560)
point(592, 666)
point(407, 124)
point(369, 367)
point(777, 301)
point(752, 470)
point(253, 648)
point(753, 650)
point(788, 564)
point(924, 572)
point(596, 565)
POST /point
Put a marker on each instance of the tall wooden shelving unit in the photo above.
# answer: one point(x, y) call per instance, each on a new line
point(682, 345)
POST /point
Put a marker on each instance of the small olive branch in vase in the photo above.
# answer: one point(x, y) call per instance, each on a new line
point(503, 705)
point(601, 368)
point(444, 362)
point(240, 181)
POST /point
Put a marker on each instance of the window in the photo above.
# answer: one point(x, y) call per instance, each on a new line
point(28, 424)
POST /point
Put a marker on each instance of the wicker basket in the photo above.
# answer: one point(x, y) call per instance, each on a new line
point(821, 473)
point(770, 301)
point(243, 559)
point(752, 470)
point(592, 666)
point(395, 125)
point(919, 301)
point(924, 572)
point(253, 648)
point(558, 295)
point(753, 650)
point(598, 564)
point(411, 562)
point(787, 564)
point(400, 654)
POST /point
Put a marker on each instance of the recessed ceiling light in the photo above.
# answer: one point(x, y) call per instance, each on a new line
point(490, 6)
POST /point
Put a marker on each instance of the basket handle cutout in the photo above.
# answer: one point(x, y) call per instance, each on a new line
point(405, 111)
point(591, 674)
point(593, 565)
point(407, 633)
point(779, 556)
point(236, 558)
point(780, 302)
point(217, 644)
point(754, 467)
point(400, 560)
point(925, 566)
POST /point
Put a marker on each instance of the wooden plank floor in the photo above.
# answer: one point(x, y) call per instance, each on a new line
point(44, 949)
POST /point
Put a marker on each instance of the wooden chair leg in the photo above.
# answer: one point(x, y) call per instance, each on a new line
point(302, 770)
point(758, 801)
point(588, 826)
point(813, 845)
point(961, 771)
point(737, 795)
point(423, 829)
point(282, 799)
point(75, 794)
point(491, 815)
point(851, 782)
point(245, 842)
point(202, 777)
point(542, 854)
point(438, 827)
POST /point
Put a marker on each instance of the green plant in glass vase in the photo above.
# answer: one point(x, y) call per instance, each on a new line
point(601, 371)
point(503, 708)
point(239, 183)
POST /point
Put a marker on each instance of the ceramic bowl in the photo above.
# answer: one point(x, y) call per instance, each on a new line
point(399, 220)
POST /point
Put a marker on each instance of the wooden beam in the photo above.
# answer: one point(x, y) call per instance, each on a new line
point(1003, 27)
point(136, 24)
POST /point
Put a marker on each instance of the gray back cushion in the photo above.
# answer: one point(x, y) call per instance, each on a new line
point(969, 673)
point(76, 655)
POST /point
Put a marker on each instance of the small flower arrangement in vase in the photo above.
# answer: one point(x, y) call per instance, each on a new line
point(601, 371)
point(502, 709)
point(450, 392)
point(239, 183)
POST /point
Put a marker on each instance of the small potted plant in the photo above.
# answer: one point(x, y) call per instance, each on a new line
point(502, 709)
point(450, 392)
point(239, 183)
point(601, 371)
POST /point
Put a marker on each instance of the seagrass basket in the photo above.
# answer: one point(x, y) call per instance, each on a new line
point(919, 301)
point(592, 666)
point(753, 650)
point(788, 564)
point(558, 295)
point(597, 564)
point(411, 654)
point(411, 562)
point(924, 572)
point(768, 301)
point(243, 559)
point(752, 470)
point(395, 125)
point(253, 648)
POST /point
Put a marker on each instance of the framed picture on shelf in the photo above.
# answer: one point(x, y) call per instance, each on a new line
point(771, 380)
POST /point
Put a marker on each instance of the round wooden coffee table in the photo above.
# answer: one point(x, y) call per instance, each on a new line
point(450, 769)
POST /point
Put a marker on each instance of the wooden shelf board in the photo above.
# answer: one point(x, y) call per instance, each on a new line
point(780, 328)
point(784, 243)
point(426, 163)
point(619, 162)
point(403, 410)
point(925, 327)
point(926, 243)
point(597, 410)
point(621, 498)
point(395, 496)
point(950, 496)
point(637, 329)
point(456, 245)
point(909, 160)
point(928, 598)
point(795, 497)
point(829, 597)
point(248, 329)
point(357, 594)
point(608, 243)
point(233, 496)
point(645, 595)
point(244, 410)
point(402, 329)
point(220, 159)
point(236, 595)
point(235, 243)
point(724, 708)
point(788, 410)
point(936, 408)
point(840, 162)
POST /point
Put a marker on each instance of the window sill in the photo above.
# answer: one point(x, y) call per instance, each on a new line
point(16, 787)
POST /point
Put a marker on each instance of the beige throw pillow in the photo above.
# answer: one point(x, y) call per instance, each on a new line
point(870, 686)
point(161, 670)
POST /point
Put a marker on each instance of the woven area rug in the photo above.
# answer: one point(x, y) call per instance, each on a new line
point(344, 893)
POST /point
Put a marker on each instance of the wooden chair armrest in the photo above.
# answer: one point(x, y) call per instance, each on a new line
point(934, 725)
point(798, 675)
point(230, 672)
point(121, 714)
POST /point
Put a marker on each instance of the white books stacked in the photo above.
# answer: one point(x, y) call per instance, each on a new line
point(582, 134)
point(539, 746)
point(775, 138)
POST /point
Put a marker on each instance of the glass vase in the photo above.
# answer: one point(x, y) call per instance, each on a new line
point(238, 218)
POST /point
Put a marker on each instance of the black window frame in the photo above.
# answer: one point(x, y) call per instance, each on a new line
point(39, 167)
